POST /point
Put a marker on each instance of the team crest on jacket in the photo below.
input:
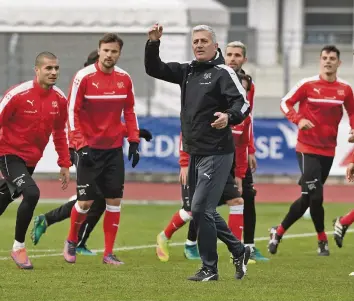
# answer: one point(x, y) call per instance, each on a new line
point(120, 85)
point(54, 104)
point(341, 92)
point(207, 76)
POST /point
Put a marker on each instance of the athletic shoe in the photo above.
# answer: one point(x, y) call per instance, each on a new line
point(241, 263)
point(39, 228)
point(323, 249)
point(69, 251)
point(112, 260)
point(21, 259)
point(191, 252)
point(162, 247)
point(204, 274)
point(339, 231)
point(273, 241)
point(83, 250)
point(257, 256)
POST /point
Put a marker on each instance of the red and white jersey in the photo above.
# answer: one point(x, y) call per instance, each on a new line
point(96, 103)
point(241, 134)
point(29, 114)
point(321, 102)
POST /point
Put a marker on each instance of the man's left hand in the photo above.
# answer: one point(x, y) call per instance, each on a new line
point(221, 122)
point(252, 161)
point(64, 177)
point(351, 136)
point(145, 134)
point(134, 152)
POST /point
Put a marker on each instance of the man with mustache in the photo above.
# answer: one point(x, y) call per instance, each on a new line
point(99, 94)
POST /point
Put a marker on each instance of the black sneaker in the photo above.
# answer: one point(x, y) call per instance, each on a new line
point(274, 240)
point(204, 274)
point(241, 263)
point(323, 249)
point(339, 232)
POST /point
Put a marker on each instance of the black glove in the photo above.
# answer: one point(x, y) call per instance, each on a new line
point(134, 152)
point(145, 134)
point(86, 156)
point(72, 156)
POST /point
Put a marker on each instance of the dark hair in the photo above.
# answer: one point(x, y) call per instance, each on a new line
point(42, 55)
point(330, 48)
point(92, 58)
point(111, 38)
point(247, 78)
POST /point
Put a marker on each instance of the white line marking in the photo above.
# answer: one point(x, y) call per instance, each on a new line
point(131, 248)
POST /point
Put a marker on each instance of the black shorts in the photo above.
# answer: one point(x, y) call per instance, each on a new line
point(230, 191)
point(74, 156)
point(107, 173)
point(314, 169)
point(16, 174)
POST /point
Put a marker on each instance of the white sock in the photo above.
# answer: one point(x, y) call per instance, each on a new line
point(251, 245)
point(18, 245)
point(164, 235)
point(190, 243)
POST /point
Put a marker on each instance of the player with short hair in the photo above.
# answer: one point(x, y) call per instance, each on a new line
point(30, 113)
point(99, 94)
point(231, 194)
point(321, 99)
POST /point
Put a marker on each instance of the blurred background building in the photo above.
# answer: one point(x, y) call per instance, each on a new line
point(284, 38)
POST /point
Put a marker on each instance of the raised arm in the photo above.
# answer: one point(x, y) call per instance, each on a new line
point(154, 66)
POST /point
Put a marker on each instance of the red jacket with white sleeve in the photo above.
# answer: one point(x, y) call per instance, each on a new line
point(96, 103)
point(242, 135)
point(321, 102)
point(29, 114)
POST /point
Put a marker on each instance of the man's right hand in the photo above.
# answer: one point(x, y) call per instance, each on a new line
point(305, 124)
point(239, 184)
point(146, 134)
point(350, 172)
point(183, 175)
point(85, 155)
point(155, 32)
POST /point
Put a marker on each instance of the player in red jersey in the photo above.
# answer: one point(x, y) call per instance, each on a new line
point(231, 194)
point(99, 94)
point(321, 99)
point(29, 114)
point(236, 57)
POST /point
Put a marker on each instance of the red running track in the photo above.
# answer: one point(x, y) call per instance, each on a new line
point(171, 192)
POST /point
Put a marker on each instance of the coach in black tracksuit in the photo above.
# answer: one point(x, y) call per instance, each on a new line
point(211, 100)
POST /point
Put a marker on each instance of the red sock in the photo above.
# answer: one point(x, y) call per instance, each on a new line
point(322, 236)
point(78, 216)
point(178, 220)
point(348, 219)
point(280, 230)
point(110, 227)
point(236, 220)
